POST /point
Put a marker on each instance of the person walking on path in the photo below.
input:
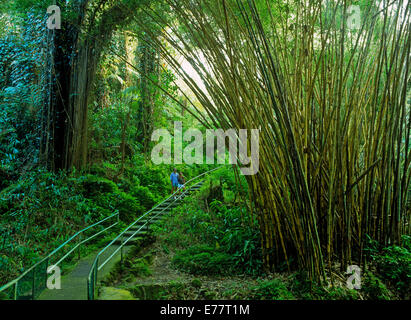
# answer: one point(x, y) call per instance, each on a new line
point(174, 181)
point(181, 181)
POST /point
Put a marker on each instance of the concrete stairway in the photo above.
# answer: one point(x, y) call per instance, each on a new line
point(74, 284)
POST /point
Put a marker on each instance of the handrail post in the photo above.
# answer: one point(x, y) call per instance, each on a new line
point(95, 275)
point(16, 290)
point(88, 289)
point(92, 284)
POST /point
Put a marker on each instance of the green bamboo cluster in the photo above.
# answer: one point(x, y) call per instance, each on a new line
point(331, 103)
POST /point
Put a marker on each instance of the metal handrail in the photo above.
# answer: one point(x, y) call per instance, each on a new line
point(95, 267)
point(45, 259)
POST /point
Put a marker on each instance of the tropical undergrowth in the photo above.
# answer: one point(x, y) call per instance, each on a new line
point(391, 268)
point(214, 234)
point(41, 209)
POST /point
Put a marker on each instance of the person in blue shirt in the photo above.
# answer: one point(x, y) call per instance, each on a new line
point(174, 180)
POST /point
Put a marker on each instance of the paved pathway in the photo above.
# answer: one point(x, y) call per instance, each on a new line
point(74, 284)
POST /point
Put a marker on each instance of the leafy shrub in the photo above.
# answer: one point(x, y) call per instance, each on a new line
point(300, 285)
point(237, 236)
point(222, 185)
point(139, 268)
point(145, 196)
point(97, 170)
point(42, 209)
point(374, 288)
point(94, 185)
point(227, 177)
point(303, 288)
point(406, 242)
point(394, 264)
point(128, 206)
point(339, 293)
point(21, 57)
point(203, 260)
point(5, 177)
point(272, 290)
point(3, 296)
point(228, 229)
point(155, 178)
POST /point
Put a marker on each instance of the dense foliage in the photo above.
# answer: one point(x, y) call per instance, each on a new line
point(78, 107)
point(331, 99)
point(40, 209)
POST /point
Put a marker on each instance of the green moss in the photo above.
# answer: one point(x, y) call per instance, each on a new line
point(196, 283)
point(110, 293)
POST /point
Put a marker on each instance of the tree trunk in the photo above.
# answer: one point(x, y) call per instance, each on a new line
point(74, 57)
point(148, 69)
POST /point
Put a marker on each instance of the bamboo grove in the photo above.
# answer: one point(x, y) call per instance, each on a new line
point(331, 103)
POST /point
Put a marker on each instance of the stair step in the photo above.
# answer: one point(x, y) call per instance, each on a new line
point(162, 212)
point(156, 215)
point(132, 241)
point(157, 219)
point(138, 225)
point(131, 232)
point(142, 222)
point(165, 205)
point(159, 213)
point(167, 208)
point(172, 206)
point(135, 228)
